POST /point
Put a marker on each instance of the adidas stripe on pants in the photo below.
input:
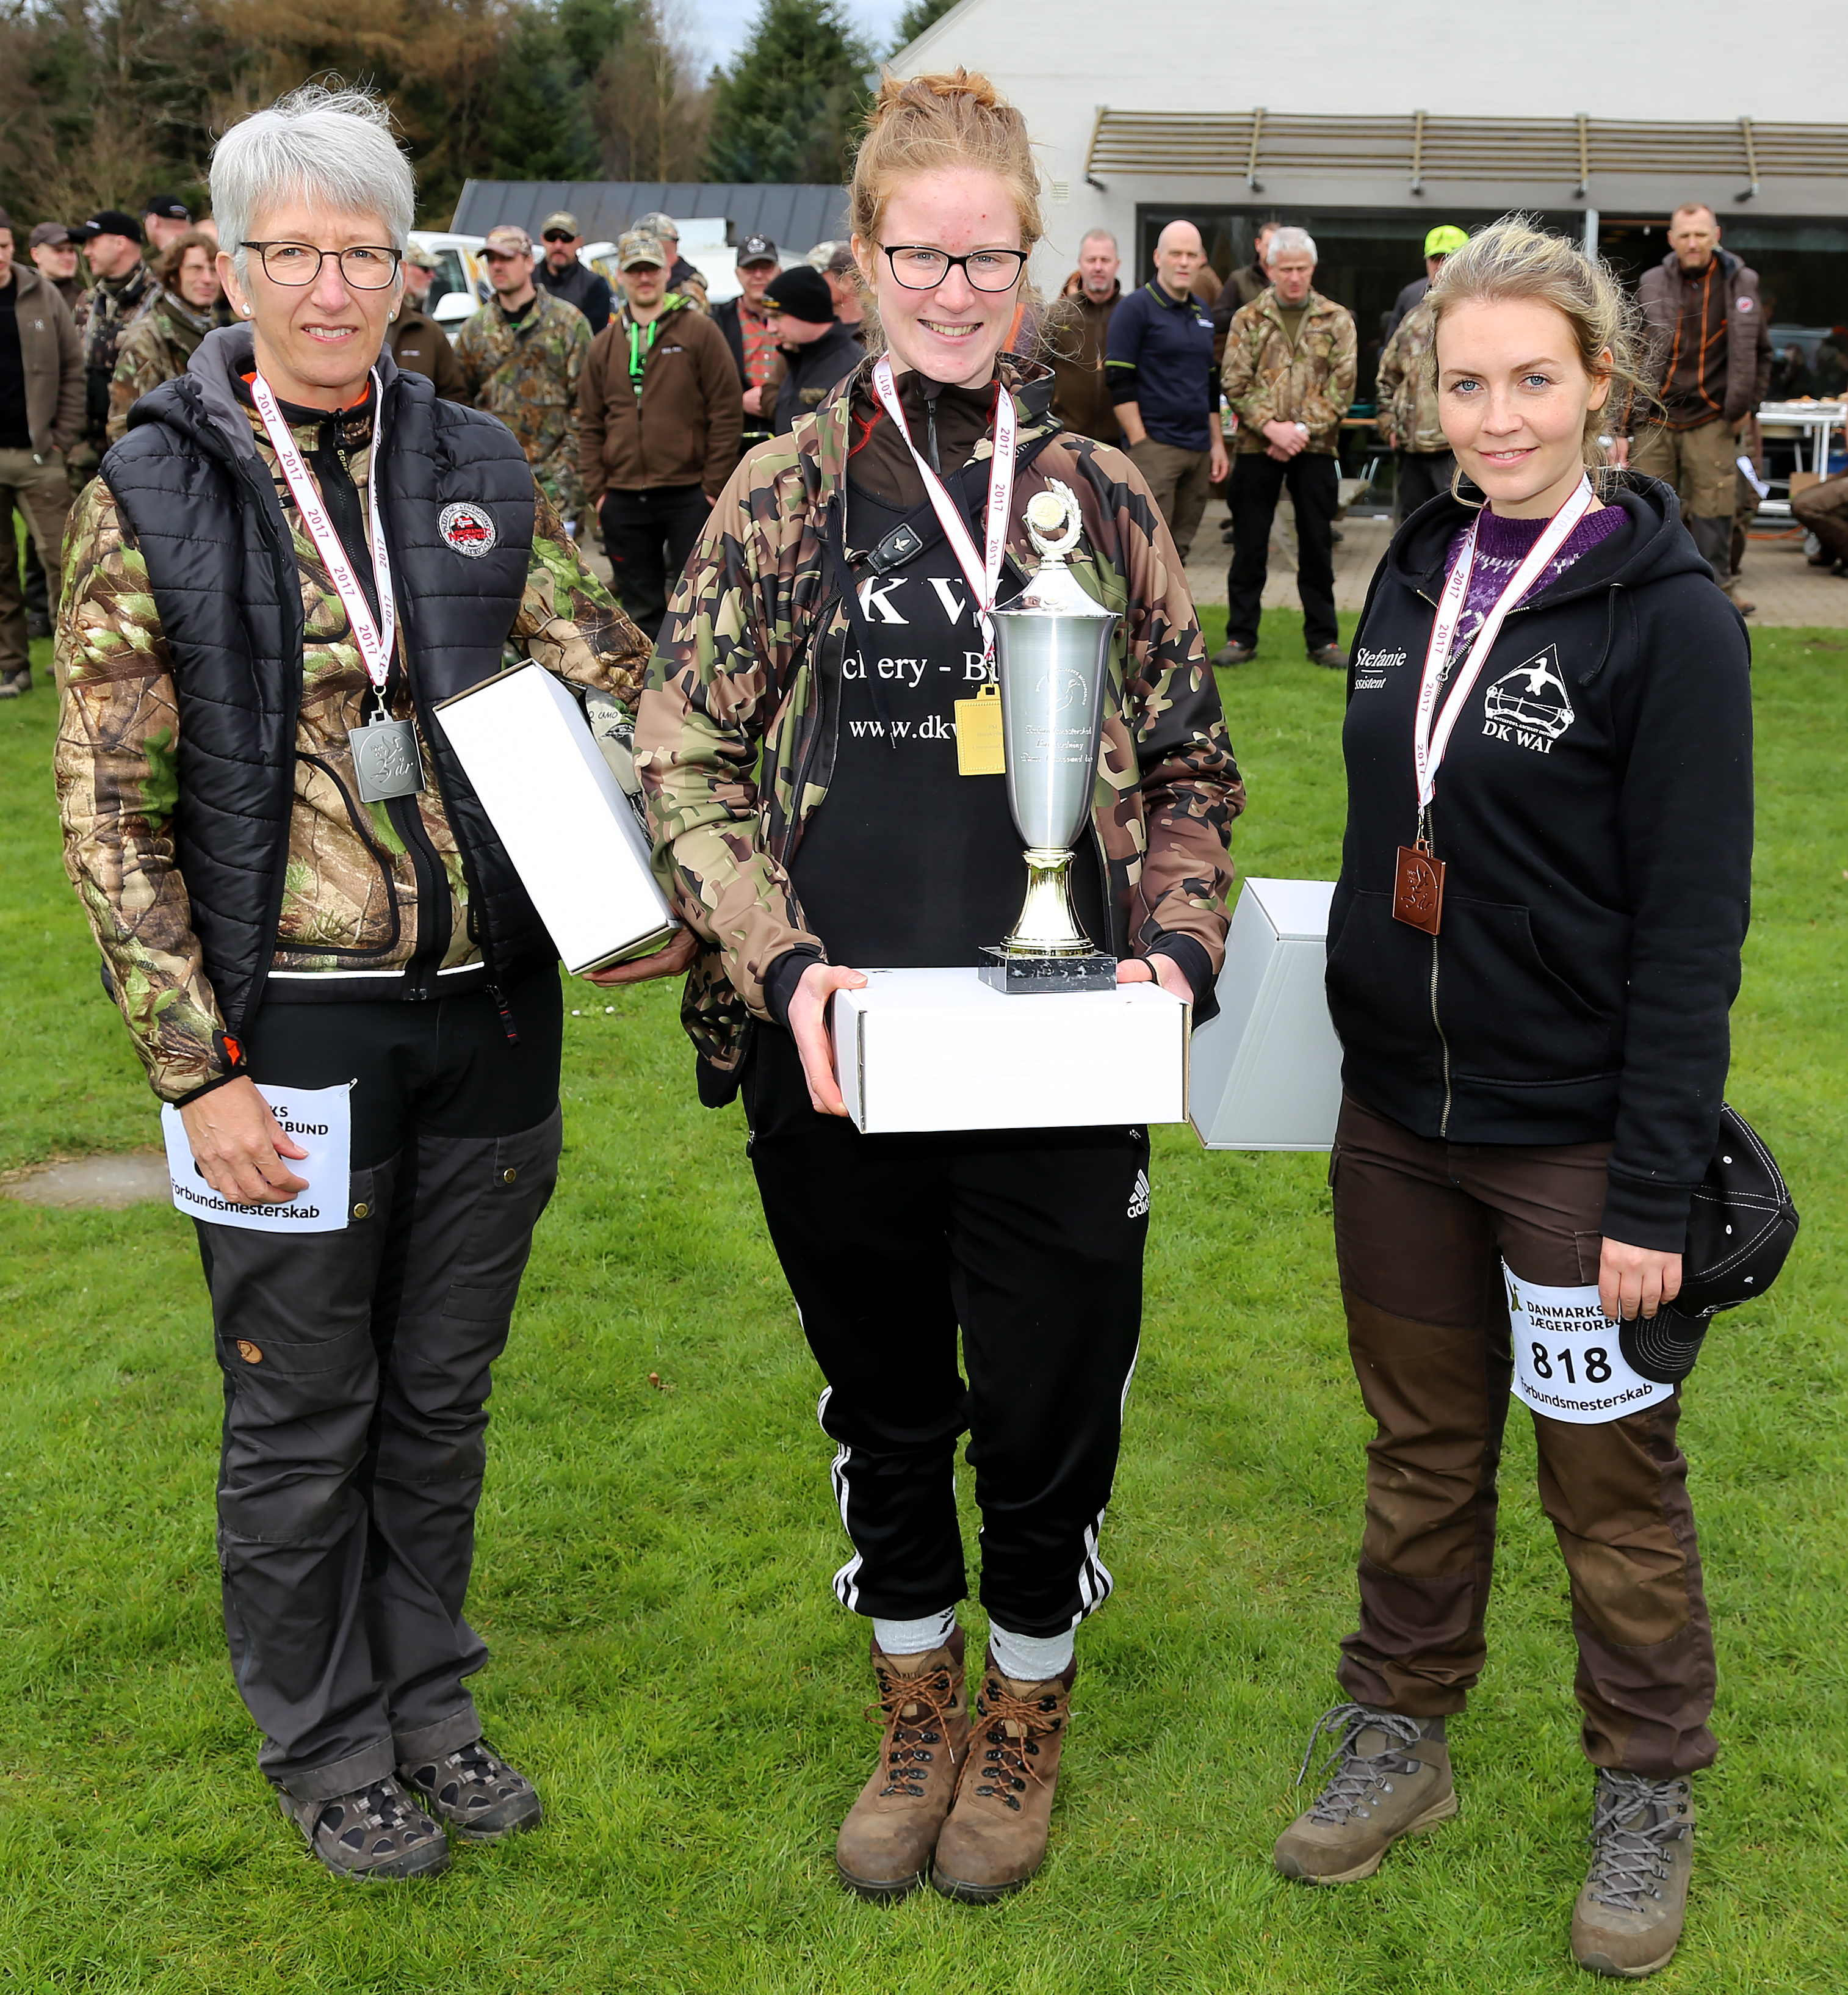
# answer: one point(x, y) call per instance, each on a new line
point(1030, 1243)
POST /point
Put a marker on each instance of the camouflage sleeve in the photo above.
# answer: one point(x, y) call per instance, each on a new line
point(1251, 398)
point(138, 368)
point(569, 623)
point(1190, 786)
point(1327, 402)
point(115, 764)
point(727, 643)
point(1390, 381)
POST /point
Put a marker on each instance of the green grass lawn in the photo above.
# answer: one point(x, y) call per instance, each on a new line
point(669, 1661)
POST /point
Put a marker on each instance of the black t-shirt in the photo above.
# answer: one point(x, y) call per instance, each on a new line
point(15, 432)
point(909, 864)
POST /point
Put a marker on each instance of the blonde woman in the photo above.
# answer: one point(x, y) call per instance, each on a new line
point(1531, 954)
point(823, 630)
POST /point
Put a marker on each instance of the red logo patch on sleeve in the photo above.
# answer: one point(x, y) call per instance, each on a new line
point(468, 528)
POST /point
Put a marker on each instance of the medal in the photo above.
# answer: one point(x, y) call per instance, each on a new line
point(386, 761)
point(1418, 875)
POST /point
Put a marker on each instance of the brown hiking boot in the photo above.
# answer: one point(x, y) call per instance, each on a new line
point(1393, 1781)
point(885, 1842)
point(996, 1837)
point(1628, 1920)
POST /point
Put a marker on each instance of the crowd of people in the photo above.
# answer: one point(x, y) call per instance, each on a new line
point(324, 521)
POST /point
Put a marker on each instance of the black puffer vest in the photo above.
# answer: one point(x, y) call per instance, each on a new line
point(202, 506)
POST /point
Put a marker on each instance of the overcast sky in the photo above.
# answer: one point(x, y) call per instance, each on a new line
point(720, 26)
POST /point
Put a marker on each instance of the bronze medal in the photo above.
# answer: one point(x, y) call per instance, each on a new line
point(1418, 889)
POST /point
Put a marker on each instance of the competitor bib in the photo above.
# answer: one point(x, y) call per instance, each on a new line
point(320, 1121)
point(1567, 1361)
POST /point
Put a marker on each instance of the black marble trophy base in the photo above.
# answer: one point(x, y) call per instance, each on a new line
point(1040, 975)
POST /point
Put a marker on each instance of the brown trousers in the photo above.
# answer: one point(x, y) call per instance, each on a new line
point(1823, 509)
point(1421, 1229)
point(37, 487)
point(1181, 480)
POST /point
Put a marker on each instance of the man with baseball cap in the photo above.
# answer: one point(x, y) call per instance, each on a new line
point(842, 275)
point(521, 356)
point(658, 415)
point(418, 344)
point(41, 404)
point(681, 276)
point(123, 291)
point(54, 254)
point(818, 349)
point(565, 277)
point(165, 218)
point(1439, 242)
point(745, 322)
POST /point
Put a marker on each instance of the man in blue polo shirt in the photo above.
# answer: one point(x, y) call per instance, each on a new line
point(1159, 368)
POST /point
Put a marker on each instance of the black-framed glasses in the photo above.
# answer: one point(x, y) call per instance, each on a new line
point(919, 268)
point(365, 267)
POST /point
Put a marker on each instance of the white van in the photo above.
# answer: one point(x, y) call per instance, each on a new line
point(460, 284)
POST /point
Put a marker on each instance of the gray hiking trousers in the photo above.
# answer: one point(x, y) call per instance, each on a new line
point(356, 1370)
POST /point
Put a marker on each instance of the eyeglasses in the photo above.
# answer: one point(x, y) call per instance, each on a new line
point(919, 269)
point(364, 268)
point(558, 236)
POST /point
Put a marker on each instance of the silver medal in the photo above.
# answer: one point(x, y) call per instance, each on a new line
point(386, 761)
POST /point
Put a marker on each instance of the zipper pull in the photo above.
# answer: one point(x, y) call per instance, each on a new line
point(506, 1014)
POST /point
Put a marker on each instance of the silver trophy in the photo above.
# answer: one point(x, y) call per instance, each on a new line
point(1052, 644)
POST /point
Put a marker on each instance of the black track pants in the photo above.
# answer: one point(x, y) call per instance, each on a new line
point(1032, 1242)
point(1257, 482)
point(356, 1370)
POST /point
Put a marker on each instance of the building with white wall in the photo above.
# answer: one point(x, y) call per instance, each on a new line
point(1370, 123)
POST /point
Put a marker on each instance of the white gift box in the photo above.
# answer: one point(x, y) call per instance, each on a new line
point(937, 1049)
point(1267, 1071)
point(571, 834)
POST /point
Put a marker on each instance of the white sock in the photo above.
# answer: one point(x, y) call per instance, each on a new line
point(1031, 1658)
point(914, 1638)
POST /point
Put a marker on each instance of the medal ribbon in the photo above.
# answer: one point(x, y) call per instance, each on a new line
point(983, 575)
point(375, 640)
point(1428, 743)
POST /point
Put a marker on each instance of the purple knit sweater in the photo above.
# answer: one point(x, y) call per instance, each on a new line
point(1502, 545)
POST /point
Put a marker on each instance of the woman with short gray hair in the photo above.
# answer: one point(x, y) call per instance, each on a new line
point(292, 556)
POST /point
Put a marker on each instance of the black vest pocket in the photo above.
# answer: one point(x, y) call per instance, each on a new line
point(1379, 984)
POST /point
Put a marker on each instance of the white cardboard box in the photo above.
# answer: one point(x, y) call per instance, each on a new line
point(568, 828)
point(1266, 1072)
point(934, 1050)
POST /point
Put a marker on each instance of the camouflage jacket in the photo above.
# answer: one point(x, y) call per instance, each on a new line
point(1407, 394)
point(1268, 380)
point(155, 348)
point(104, 316)
point(525, 372)
point(351, 899)
point(733, 739)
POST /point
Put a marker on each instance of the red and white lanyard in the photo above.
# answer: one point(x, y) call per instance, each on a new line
point(1428, 743)
point(982, 574)
point(375, 640)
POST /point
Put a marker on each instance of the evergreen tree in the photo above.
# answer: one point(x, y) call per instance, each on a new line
point(916, 18)
point(785, 110)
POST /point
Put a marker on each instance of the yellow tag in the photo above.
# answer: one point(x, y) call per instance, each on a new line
point(979, 749)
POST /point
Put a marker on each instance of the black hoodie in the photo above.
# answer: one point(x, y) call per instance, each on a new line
point(1595, 813)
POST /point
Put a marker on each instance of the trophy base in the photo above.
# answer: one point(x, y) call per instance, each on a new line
point(1039, 976)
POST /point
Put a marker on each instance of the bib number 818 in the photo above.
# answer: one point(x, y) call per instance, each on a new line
point(1597, 1364)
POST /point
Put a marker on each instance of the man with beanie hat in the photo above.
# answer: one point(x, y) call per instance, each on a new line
point(820, 350)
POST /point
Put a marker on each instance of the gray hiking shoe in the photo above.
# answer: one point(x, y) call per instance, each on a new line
point(1393, 1779)
point(1628, 1920)
point(482, 1798)
point(375, 1834)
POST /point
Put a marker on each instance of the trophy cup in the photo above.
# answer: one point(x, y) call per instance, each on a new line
point(1052, 644)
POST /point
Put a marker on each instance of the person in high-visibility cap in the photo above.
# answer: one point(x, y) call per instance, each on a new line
point(1438, 244)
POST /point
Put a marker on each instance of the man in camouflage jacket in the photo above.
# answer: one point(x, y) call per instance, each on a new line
point(1408, 400)
point(1288, 374)
point(521, 355)
point(740, 682)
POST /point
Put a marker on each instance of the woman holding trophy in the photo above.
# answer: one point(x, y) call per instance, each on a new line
point(834, 631)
